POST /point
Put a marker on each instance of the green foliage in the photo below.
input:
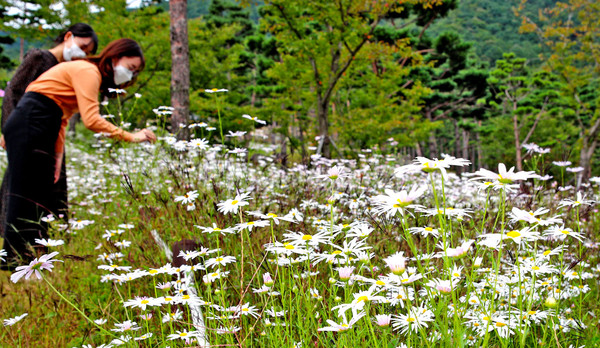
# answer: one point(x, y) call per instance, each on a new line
point(493, 28)
point(30, 20)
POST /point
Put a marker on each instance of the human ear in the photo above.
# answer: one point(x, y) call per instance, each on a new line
point(68, 36)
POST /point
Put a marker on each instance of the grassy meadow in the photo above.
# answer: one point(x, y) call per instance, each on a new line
point(187, 244)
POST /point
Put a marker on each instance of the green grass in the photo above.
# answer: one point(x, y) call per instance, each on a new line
point(137, 185)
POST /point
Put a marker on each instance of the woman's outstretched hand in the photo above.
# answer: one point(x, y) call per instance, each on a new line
point(144, 135)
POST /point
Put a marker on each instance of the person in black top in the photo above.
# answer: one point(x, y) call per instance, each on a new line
point(77, 41)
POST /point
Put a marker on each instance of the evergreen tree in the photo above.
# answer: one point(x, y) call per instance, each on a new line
point(5, 62)
point(31, 20)
point(525, 97)
point(571, 31)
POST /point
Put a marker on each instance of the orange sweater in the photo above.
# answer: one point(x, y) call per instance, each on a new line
point(74, 86)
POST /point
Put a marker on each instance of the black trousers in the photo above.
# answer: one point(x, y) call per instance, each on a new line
point(30, 134)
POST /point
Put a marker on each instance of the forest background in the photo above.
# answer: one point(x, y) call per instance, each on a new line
point(474, 79)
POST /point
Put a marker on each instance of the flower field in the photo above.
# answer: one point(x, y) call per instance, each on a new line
point(186, 244)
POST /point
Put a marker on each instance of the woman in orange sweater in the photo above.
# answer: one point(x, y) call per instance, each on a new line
point(35, 135)
point(78, 41)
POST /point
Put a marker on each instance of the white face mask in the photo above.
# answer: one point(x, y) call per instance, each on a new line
point(122, 74)
point(72, 52)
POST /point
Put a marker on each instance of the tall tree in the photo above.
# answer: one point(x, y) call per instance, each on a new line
point(180, 68)
point(326, 38)
point(457, 84)
point(524, 96)
point(571, 31)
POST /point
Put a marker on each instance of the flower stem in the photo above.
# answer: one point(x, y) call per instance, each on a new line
point(77, 309)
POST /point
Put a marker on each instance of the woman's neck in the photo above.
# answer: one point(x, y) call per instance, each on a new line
point(58, 52)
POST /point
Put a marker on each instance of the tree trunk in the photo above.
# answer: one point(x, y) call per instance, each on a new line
point(418, 149)
point(302, 145)
point(585, 159)
point(433, 145)
point(180, 68)
point(322, 116)
point(465, 144)
point(479, 150)
point(456, 139)
point(254, 78)
point(21, 49)
point(517, 142)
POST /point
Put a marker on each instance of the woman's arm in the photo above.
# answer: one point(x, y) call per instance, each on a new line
point(86, 80)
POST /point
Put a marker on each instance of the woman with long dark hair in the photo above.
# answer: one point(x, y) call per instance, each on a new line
point(35, 135)
point(77, 41)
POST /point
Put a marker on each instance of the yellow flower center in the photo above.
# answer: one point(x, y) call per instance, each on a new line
point(500, 324)
point(565, 232)
point(234, 202)
point(400, 203)
point(379, 282)
point(504, 180)
point(410, 320)
point(428, 229)
point(219, 259)
point(362, 298)
point(289, 247)
point(145, 301)
point(514, 234)
point(306, 237)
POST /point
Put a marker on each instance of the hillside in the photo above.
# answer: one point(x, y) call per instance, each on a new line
point(493, 28)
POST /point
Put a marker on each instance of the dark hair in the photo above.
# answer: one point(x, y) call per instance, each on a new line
point(115, 50)
point(79, 30)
